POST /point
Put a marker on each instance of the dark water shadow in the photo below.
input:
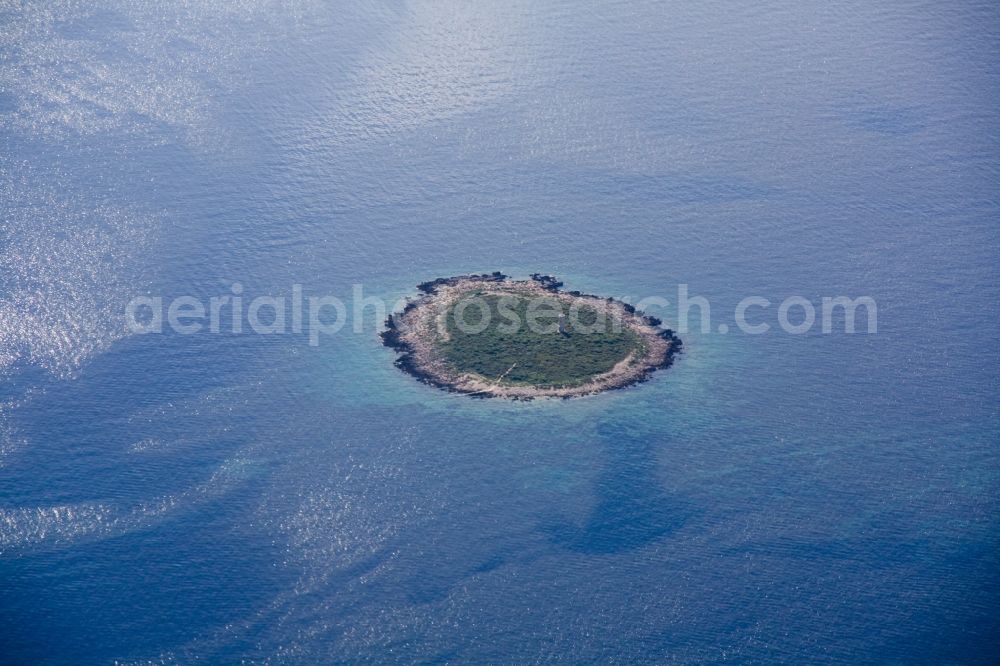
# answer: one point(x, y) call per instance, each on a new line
point(879, 116)
point(632, 507)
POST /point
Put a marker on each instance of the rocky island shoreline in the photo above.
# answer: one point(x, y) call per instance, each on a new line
point(434, 349)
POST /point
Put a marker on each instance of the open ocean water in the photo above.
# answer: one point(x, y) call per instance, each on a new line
point(776, 498)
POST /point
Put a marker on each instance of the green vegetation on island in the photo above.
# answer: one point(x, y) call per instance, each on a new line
point(490, 336)
point(523, 342)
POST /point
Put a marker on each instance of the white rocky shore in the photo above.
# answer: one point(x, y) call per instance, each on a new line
point(418, 332)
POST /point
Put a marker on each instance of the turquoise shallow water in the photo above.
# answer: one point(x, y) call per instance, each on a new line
point(770, 498)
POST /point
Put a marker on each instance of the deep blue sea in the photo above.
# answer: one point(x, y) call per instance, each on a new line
point(243, 498)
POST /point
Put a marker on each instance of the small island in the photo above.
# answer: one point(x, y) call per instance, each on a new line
point(491, 336)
